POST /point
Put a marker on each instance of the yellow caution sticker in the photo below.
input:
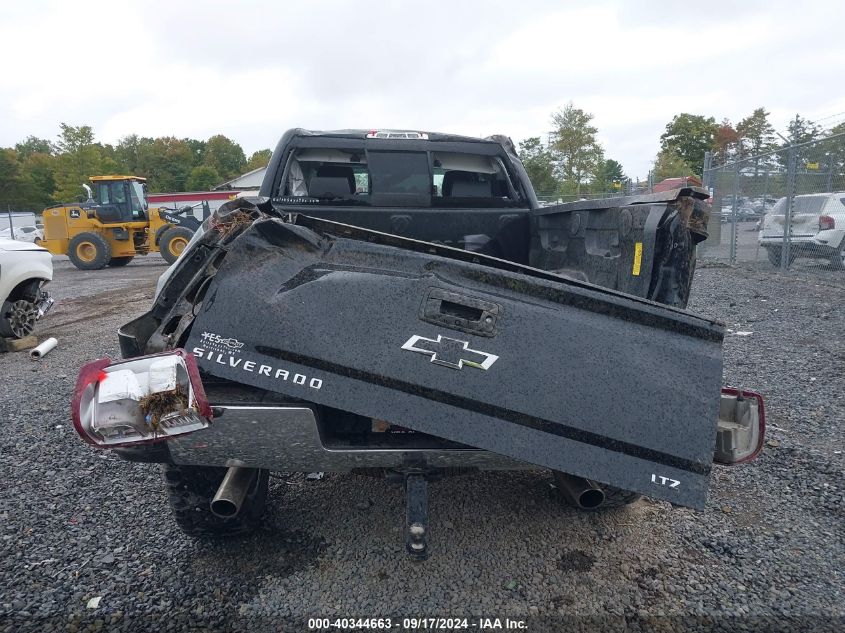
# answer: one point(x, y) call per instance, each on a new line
point(638, 258)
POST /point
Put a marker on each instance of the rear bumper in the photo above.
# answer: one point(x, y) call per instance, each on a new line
point(288, 438)
point(821, 244)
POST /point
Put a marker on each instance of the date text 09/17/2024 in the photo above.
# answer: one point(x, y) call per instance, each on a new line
point(415, 624)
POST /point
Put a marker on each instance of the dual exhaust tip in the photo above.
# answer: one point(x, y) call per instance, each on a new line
point(579, 492)
point(238, 481)
point(234, 488)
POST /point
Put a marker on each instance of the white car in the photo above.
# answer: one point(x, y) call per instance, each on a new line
point(24, 270)
point(818, 228)
point(31, 234)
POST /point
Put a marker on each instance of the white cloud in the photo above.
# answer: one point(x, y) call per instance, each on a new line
point(251, 70)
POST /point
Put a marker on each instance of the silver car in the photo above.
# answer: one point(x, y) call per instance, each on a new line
point(817, 228)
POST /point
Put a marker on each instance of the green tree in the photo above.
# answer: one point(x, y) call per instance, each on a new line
point(203, 178)
point(258, 159)
point(127, 154)
point(16, 187)
point(609, 177)
point(756, 133)
point(33, 145)
point(576, 151)
point(197, 151)
point(669, 164)
point(41, 170)
point(757, 136)
point(539, 164)
point(225, 156)
point(78, 159)
point(166, 163)
point(801, 132)
point(689, 136)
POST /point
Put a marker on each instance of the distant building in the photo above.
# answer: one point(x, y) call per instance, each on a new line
point(178, 200)
point(676, 183)
point(248, 182)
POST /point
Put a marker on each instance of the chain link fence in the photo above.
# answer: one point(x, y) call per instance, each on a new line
point(781, 209)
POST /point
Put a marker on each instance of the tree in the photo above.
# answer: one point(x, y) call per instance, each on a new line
point(33, 145)
point(41, 170)
point(689, 136)
point(801, 132)
point(203, 178)
point(258, 159)
point(16, 187)
point(79, 159)
point(225, 156)
point(725, 143)
point(539, 164)
point(73, 139)
point(756, 133)
point(757, 136)
point(197, 151)
point(669, 164)
point(609, 177)
point(576, 150)
point(166, 162)
point(127, 153)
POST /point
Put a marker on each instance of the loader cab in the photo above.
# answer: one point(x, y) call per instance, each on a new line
point(120, 199)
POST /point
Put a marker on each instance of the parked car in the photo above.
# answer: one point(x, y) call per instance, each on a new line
point(32, 234)
point(24, 270)
point(817, 228)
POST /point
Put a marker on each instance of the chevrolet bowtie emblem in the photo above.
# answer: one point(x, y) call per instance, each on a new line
point(450, 352)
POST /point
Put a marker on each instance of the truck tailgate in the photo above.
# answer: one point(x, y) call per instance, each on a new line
point(494, 355)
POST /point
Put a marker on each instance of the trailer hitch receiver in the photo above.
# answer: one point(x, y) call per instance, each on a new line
point(416, 516)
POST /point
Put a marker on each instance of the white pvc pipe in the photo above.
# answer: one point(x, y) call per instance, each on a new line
point(43, 349)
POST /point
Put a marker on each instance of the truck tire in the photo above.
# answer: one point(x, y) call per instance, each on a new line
point(89, 251)
point(173, 242)
point(116, 262)
point(191, 489)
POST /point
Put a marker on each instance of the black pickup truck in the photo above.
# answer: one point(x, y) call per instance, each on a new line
point(399, 303)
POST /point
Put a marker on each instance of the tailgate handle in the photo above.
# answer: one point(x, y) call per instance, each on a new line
point(458, 312)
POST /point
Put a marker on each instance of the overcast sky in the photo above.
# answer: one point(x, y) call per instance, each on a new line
point(250, 70)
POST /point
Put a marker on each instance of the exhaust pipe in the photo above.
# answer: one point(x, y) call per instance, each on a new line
point(232, 491)
point(579, 492)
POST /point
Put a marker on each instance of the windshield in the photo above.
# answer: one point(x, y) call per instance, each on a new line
point(389, 178)
point(137, 198)
point(811, 205)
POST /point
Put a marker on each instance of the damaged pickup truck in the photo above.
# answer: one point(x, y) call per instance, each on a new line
point(399, 303)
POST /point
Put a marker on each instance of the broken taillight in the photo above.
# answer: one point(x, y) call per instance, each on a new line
point(741, 428)
point(140, 400)
point(826, 223)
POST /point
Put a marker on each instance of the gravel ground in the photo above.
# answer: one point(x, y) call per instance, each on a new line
point(767, 553)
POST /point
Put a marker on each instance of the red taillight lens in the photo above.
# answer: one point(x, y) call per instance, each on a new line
point(826, 223)
point(140, 400)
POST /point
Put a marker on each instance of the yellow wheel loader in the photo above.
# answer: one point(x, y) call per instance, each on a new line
point(114, 225)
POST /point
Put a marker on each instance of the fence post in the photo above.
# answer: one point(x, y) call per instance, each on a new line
point(830, 173)
point(705, 172)
point(734, 213)
point(791, 163)
point(765, 189)
point(11, 224)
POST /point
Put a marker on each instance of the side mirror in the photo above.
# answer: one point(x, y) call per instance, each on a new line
point(741, 428)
